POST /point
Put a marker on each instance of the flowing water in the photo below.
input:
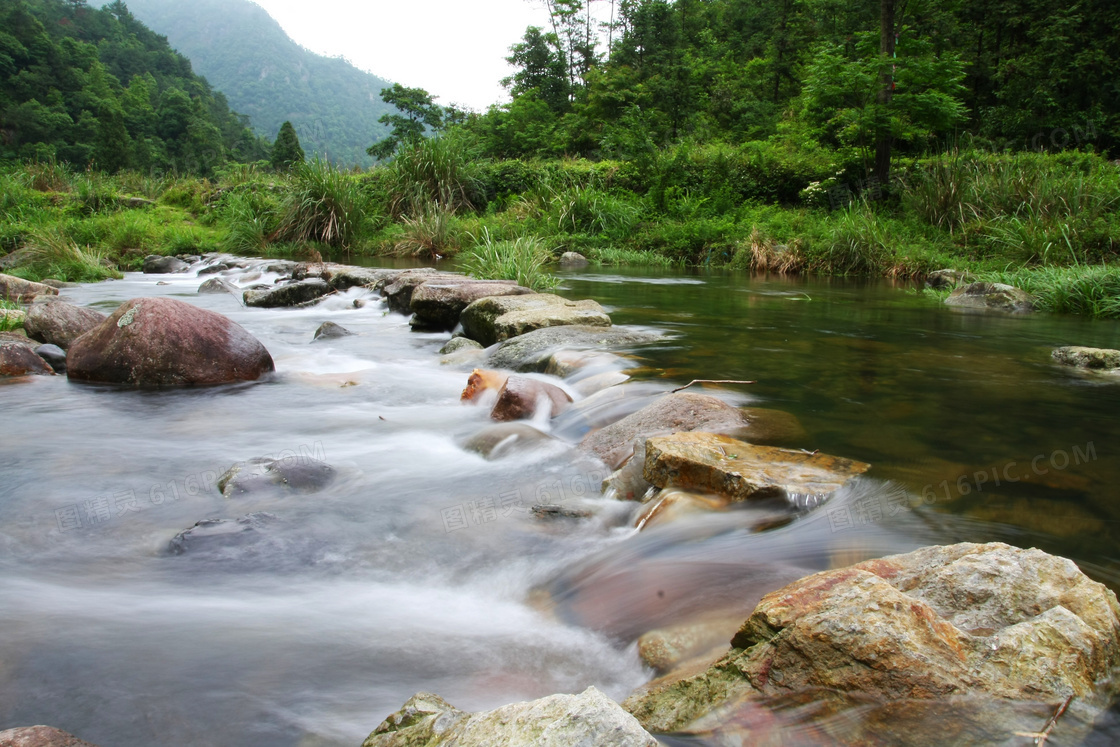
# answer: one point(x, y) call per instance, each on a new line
point(421, 569)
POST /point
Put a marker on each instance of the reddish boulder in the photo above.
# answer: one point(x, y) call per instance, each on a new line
point(520, 398)
point(162, 342)
point(59, 323)
point(39, 736)
point(18, 359)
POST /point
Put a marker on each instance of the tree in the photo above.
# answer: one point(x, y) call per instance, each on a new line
point(418, 114)
point(286, 151)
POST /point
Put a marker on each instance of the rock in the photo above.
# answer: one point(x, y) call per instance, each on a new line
point(289, 476)
point(673, 413)
point(628, 482)
point(533, 351)
point(17, 335)
point(996, 296)
point(455, 344)
point(491, 320)
point(573, 260)
point(213, 269)
point(940, 279)
point(397, 289)
point(552, 512)
point(18, 359)
point(54, 356)
point(290, 294)
point(278, 267)
point(497, 441)
point(220, 533)
point(14, 316)
point(740, 471)
point(597, 383)
point(669, 505)
point(942, 622)
point(59, 284)
point(15, 259)
point(482, 381)
point(589, 718)
point(217, 285)
point(155, 264)
point(40, 736)
point(19, 290)
point(521, 398)
point(330, 330)
point(137, 202)
point(665, 649)
point(162, 342)
point(438, 303)
point(1095, 358)
point(345, 277)
point(60, 323)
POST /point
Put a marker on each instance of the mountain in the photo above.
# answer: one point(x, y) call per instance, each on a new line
point(95, 87)
point(244, 53)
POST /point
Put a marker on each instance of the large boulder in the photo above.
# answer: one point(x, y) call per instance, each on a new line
point(162, 342)
point(491, 320)
point(398, 288)
point(995, 296)
point(40, 736)
point(533, 351)
point(438, 303)
point(966, 621)
point(290, 294)
point(521, 397)
point(59, 323)
point(740, 471)
point(345, 277)
point(674, 413)
point(293, 475)
point(589, 718)
point(155, 264)
point(18, 359)
point(1095, 358)
point(573, 260)
point(19, 290)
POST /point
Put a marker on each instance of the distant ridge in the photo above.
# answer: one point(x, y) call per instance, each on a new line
point(244, 53)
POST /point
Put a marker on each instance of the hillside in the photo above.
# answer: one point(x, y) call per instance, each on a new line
point(245, 54)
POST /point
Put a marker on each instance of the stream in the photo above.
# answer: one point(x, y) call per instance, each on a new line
point(422, 568)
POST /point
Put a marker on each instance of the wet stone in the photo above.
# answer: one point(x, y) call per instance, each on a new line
point(330, 330)
point(289, 476)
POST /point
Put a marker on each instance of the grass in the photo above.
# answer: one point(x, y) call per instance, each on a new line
point(436, 172)
point(51, 252)
point(1091, 291)
point(434, 234)
point(8, 323)
point(522, 259)
point(324, 205)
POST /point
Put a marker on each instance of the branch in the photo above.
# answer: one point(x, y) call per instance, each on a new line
point(711, 381)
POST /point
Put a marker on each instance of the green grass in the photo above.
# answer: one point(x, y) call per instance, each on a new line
point(523, 259)
point(7, 323)
point(613, 256)
point(324, 205)
point(433, 173)
point(1088, 290)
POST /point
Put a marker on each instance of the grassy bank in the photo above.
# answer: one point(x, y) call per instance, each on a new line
point(1048, 223)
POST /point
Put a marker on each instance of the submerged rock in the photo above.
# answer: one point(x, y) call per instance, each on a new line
point(589, 718)
point(18, 359)
point(330, 330)
point(40, 736)
point(210, 534)
point(262, 475)
point(455, 344)
point(481, 381)
point(982, 621)
point(996, 296)
point(672, 413)
point(497, 441)
point(60, 323)
point(54, 356)
point(217, 285)
point(161, 342)
point(439, 303)
point(491, 320)
point(740, 471)
point(520, 398)
point(533, 351)
point(213, 269)
point(551, 512)
point(291, 294)
point(155, 264)
point(19, 290)
point(1094, 358)
point(59, 284)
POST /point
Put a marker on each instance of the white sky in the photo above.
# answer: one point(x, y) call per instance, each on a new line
point(454, 49)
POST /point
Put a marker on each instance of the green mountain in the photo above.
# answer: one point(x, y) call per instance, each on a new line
point(95, 87)
point(245, 54)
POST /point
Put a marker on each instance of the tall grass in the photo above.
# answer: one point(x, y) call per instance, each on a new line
point(324, 205)
point(434, 234)
point(51, 252)
point(8, 323)
point(433, 171)
point(251, 218)
point(522, 259)
point(1090, 290)
point(620, 256)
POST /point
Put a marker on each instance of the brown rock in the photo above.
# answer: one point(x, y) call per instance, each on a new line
point(162, 342)
point(740, 471)
point(1080, 357)
point(673, 413)
point(521, 397)
point(438, 303)
point(40, 736)
point(397, 289)
point(995, 296)
point(493, 319)
point(483, 381)
point(23, 291)
point(57, 322)
point(18, 359)
point(497, 441)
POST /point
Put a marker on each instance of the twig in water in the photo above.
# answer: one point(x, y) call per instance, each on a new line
point(1041, 736)
point(711, 381)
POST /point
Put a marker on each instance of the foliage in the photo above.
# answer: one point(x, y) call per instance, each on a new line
point(323, 205)
point(418, 115)
point(53, 253)
point(1093, 290)
point(286, 151)
point(8, 323)
point(430, 235)
point(438, 172)
point(522, 259)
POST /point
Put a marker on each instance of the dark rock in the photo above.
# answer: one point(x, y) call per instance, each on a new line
point(328, 330)
point(995, 296)
point(311, 271)
point(494, 319)
point(54, 356)
point(438, 303)
point(155, 264)
point(552, 512)
point(190, 259)
point(533, 351)
point(455, 344)
point(497, 441)
point(290, 294)
point(217, 285)
point(18, 359)
point(287, 476)
point(573, 260)
point(60, 323)
point(210, 534)
point(213, 269)
point(40, 736)
point(161, 342)
point(23, 291)
point(280, 267)
point(1094, 358)
point(520, 398)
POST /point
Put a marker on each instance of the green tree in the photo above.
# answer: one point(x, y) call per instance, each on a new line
point(286, 151)
point(418, 114)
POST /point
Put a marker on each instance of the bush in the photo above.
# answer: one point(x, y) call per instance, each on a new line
point(437, 172)
point(522, 259)
point(324, 205)
point(251, 218)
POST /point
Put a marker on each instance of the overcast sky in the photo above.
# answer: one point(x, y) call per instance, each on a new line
point(455, 49)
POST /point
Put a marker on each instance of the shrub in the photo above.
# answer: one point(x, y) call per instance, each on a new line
point(324, 205)
point(251, 218)
point(436, 172)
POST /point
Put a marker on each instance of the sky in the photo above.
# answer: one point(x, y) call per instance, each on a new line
point(454, 49)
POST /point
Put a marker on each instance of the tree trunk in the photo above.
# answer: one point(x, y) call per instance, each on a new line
point(886, 91)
